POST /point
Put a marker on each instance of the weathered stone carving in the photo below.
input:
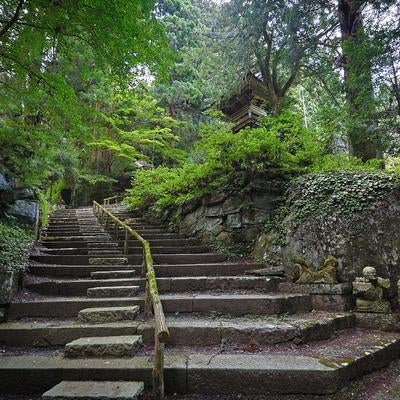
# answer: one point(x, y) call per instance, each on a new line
point(371, 292)
point(305, 274)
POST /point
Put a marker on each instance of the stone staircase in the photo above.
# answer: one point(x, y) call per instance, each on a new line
point(78, 324)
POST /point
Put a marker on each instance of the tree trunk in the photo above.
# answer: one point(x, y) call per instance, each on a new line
point(363, 136)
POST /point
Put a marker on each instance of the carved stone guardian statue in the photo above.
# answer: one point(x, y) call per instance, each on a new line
point(371, 292)
point(327, 274)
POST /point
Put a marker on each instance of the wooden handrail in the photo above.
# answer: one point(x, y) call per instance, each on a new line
point(109, 200)
point(152, 298)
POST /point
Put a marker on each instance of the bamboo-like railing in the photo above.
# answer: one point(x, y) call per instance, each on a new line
point(152, 303)
point(110, 200)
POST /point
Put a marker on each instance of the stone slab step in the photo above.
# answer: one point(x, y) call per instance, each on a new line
point(79, 287)
point(113, 291)
point(83, 251)
point(132, 259)
point(59, 332)
point(132, 243)
point(226, 303)
point(306, 370)
point(109, 275)
point(85, 238)
point(108, 259)
point(186, 330)
point(92, 390)
point(165, 270)
point(104, 346)
point(108, 314)
point(208, 330)
point(113, 249)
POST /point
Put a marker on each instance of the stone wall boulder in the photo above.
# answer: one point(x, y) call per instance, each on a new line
point(25, 210)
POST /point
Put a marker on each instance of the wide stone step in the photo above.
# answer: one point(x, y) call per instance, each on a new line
point(86, 238)
point(226, 303)
point(165, 270)
point(116, 250)
point(208, 330)
point(309, 369)
point(104, 346)
point(197, 330)
point(113, 291)
point(108, 314)
point(59, 332)
point(132, 243)
point(133, 259)
point(165, 284)
point(83, 251)
point(93, 390)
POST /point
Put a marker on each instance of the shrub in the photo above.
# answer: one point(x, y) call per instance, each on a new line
point(281, 144)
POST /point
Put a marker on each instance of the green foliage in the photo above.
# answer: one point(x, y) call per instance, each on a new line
point(15, 245)
point(281, 145)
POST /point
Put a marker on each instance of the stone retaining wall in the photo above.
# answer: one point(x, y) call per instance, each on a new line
point(222, 218)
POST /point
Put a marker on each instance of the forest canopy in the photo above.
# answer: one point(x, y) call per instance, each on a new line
point(91, 91)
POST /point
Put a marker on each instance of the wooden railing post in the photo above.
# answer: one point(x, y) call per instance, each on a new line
point(126, 244)
point(148, 312)
point(116, 231)
point(158, 369)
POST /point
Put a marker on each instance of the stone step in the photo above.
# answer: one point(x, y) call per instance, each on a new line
point(86, 238)
point(100, 253)
point(132, 243)
point(186, 330)
point(108, 259)
point(104, 346)
point(77, 287)
point(116, 250)
point(109, 275)
point(95, 390)
point(108, 314)
point(309, 369)
point(192, 330)
point(59, 332)
point(97, 245)
point(166, 284)
point(133, 259)
point(113, 291)
point(165, 270)
point(82, 251)
point(226, 303)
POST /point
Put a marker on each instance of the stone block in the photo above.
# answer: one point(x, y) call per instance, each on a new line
point(113, 291)
point(213, 211)
point(113, 274)
point(234, 220)
point(95, 390)
point(385, 322)
point(108, 314)
point(108, 260)
point(104, 346)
